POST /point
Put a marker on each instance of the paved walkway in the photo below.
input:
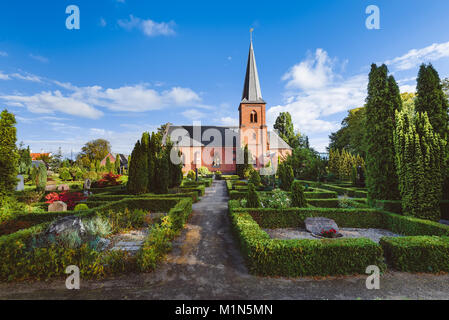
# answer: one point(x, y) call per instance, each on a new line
point(206, 264)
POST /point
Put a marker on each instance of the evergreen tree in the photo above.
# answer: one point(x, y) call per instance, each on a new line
point(431, 99)
point(285, 173)
point(8, 154)
point(298, 197)
point(41, 177)
point(108, 165)
point(175, 170)
point(284, 125)
point(254, 178)
point(243, 169)
point(138, 170)
point(252, 197)
point(420, 165)
point(117, 164)
point(381, 104)
point(163, 173)
point(24, 160)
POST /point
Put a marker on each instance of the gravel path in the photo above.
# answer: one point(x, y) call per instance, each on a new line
point(206, 264)
point(296, 233)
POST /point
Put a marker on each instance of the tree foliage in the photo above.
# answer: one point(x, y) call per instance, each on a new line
point(298, 196)
point(286, 176)
point(382, 102)
point(420, 165)
point(40, 177)
point(252, 197)
point(94, 150)
point(9, 156)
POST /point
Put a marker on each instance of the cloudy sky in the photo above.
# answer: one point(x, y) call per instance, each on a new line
point(134, 65)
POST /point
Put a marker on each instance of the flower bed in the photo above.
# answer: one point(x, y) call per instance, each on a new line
point(21, 261)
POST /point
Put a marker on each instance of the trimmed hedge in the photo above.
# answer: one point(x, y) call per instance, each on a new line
point(351, 192)
point(201, 189)
point(423, 235)
point(417, 254)
point(293, 258)
point(229, 177)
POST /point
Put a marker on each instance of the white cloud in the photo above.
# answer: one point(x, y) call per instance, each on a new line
point(103, 22)
point(85, 101)
point(39, 58)
point(149, 27)
point(193, 114)
point(229, 121)
point(51, 102)
point(3, 54)
point(313, 73)
point(4, 76)
point(415, 57)
point(26, 77)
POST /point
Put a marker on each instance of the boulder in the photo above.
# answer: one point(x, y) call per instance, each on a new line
point(57, 206)
point(66, 224)
point(316, 225)
point(63, 187)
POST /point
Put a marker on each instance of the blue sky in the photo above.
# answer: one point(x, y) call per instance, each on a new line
point(134, 65)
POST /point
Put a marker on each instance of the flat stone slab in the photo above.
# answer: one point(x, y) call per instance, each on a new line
point(294, 233)
point(130, 241)
point(316, 225)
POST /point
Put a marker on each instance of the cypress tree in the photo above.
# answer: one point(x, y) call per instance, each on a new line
point(8, 154)
point(163, 173)
point(254, 178)
point(41, 177)
point(252, 197)
point(420, 165)
point(298, 197)
point(175, 170)
point(138, 168)
point(381, 104)
point(431, 99)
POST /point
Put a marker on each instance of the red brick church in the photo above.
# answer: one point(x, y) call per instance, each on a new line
point(220, 148)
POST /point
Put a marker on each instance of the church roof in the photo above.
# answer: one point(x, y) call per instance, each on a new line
point(251, 88)
point(183, 136)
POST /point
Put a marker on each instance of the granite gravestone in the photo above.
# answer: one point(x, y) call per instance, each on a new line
point(20, 183)
point(317, 225)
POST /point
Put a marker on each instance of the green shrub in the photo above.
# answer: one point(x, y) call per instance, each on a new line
point(41, 177)
point(64, 174)
point(285, 172)
point(417, 254)
point(254, 178)
point(297, 195)
point(81, 207)
point(253, 200)
point(191, 175)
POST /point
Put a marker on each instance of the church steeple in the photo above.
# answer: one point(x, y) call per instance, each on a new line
point(251, 88)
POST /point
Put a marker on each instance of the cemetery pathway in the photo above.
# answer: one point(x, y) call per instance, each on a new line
point(206, 264)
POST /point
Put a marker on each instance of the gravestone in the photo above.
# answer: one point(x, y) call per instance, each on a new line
point(317, 225)
point(67, 224)
point(63, 187)
point(20, 183)
point(57, 206)
point(51, 187)
point(87, 184)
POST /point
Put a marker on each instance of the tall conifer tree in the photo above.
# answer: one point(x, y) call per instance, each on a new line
point(381, 104)
point(9, 156)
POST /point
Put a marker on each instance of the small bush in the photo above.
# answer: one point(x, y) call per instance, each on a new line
point(297, 194)
point(81, 207)
point(64, 174)
point(254, 178)
point(277, 199)
point(191, 175)
point(253, 200)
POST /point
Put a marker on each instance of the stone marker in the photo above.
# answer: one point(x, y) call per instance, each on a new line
point(67, 224)
point(20, 183)
point(51, 187)
point(87, 184)
point(57, 206)
point(316, 225)
point(63, 187)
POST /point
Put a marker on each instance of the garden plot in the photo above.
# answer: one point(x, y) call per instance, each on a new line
point(300, 233)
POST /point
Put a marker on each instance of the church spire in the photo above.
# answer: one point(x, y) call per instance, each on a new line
point(251, 88)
